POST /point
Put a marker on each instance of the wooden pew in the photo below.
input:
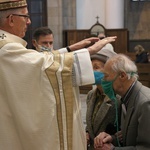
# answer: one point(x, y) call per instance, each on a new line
point(144, 73)
point(85, 89)
point(143, 70)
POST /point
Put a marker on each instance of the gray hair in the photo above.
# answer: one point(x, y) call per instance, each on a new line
point(5, 13)
point(122, 63)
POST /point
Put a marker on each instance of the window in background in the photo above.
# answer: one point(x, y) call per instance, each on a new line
point(38, 15)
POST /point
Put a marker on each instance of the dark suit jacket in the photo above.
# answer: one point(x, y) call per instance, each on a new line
point(136, 124)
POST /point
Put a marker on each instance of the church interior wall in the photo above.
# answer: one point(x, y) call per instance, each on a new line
point(67, 14)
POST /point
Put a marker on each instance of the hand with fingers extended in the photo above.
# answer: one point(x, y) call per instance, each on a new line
point(100, 44)
point(82, 44)
point(97, 46)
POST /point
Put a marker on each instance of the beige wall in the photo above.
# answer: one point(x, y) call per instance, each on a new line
point(62, 15)
point(137, 19)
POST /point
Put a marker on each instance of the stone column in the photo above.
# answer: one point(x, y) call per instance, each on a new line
point(54, 14)
point(61, 15)
point(69, 14)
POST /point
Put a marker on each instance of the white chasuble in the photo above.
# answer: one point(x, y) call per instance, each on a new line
point(39, 97)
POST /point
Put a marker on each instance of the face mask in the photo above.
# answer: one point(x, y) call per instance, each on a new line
point(43, 48)
point(98, 77)
point(108, 88)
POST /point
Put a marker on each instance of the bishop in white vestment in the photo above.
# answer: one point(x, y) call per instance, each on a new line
point(39, 94)
point(39, 97)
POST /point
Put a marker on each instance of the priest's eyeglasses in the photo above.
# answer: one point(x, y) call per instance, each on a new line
point(25, 16)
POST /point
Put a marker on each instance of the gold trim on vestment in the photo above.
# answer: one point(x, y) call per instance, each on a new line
point(12, 4)
point(68, 95)
point(67, 91)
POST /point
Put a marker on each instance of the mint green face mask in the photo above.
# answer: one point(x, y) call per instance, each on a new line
point(109, 91)
point(108, 88)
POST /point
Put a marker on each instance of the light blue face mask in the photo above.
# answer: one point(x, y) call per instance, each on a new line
point(98, 77)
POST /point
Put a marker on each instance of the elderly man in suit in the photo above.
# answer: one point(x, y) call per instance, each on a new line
point(121, 78)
